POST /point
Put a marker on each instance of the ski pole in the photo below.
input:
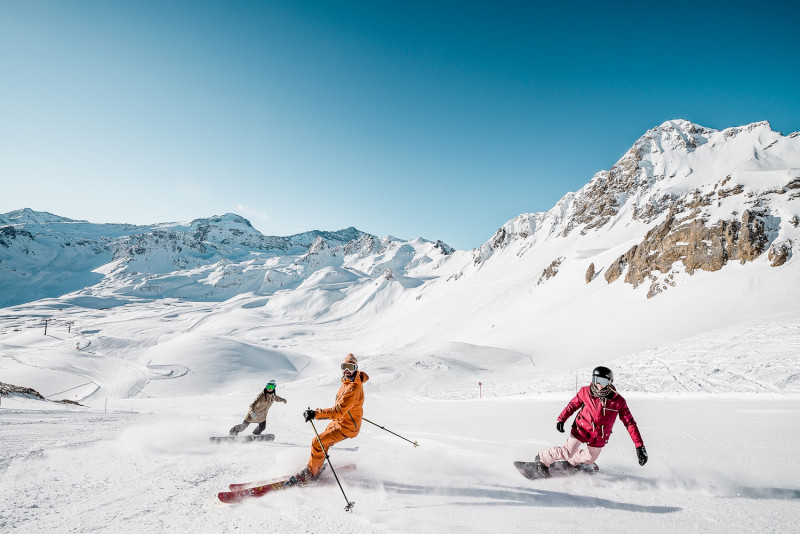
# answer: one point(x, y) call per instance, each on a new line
point(350, 504)
point(390, 432)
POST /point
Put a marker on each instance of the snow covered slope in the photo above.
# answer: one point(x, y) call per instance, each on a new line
point(692, 229)
point(676, 268)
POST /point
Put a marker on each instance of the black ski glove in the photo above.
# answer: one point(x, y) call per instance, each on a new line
point(560, 426)
point(309, 414)
point(642, 454)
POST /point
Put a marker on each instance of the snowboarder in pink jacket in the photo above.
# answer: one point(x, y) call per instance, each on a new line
point(598, 406)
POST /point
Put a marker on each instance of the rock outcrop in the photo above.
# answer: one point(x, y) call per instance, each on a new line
point(780, 253)
point(550, 271)
point(590, 273)
point(693, 243)
point(7, 390)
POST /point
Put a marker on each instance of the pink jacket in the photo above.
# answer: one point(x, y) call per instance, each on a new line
point(597, 416)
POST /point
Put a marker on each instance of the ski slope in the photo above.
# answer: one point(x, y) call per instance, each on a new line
point(136, 457)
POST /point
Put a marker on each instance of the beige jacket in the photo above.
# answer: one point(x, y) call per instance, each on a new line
point(259, 408)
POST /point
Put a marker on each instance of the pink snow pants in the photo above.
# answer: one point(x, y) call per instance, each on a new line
point(571, 452)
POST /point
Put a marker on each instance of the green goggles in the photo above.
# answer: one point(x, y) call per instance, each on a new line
point(270, 387)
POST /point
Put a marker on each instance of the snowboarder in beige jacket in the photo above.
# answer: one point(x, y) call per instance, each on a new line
point(258, 410)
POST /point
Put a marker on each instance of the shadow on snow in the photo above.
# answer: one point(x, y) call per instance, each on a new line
point(509, 496)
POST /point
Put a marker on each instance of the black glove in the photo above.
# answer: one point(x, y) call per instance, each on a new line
point(560, 426)
point(309, 414)
point(642, 454)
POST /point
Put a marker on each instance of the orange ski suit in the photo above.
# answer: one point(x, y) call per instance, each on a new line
point(346, 420)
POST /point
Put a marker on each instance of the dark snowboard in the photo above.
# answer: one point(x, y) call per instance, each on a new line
point(249, 437)
point(557, 469)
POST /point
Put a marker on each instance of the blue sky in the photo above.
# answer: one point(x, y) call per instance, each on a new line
point(435, 119)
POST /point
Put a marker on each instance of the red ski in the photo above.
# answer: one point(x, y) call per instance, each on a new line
point(268, 481)
point(265, 482)
point(240, 492)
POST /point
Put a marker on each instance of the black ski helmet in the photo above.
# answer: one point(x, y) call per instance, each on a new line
point(603, 372)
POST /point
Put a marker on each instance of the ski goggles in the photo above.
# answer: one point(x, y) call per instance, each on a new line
point(352, 367)
point(270, 387)
point(601, 381)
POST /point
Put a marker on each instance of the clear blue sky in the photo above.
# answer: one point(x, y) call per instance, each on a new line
point(435, 119)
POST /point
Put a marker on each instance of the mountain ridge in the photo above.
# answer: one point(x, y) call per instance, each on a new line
point(682, 194)
point(223, 253)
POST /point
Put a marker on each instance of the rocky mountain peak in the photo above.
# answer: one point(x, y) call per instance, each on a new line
point(667, 164)
point(29, 216)
point(225, 220)
point(337, 237)
point(698, 196)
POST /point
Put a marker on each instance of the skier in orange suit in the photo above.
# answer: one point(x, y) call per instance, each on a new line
point(345, 416)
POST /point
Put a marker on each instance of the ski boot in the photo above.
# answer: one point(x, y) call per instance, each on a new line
point(299, 478)
point(572, 468)
point(589, 469)
point(543, 470)
point(303, 477)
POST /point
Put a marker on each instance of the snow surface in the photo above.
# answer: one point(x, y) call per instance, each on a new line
point(165, 339)
point(158, 378)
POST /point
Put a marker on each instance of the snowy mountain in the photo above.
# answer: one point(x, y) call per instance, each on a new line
point(43, 255)
point(686, 194)
point(692, 228)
